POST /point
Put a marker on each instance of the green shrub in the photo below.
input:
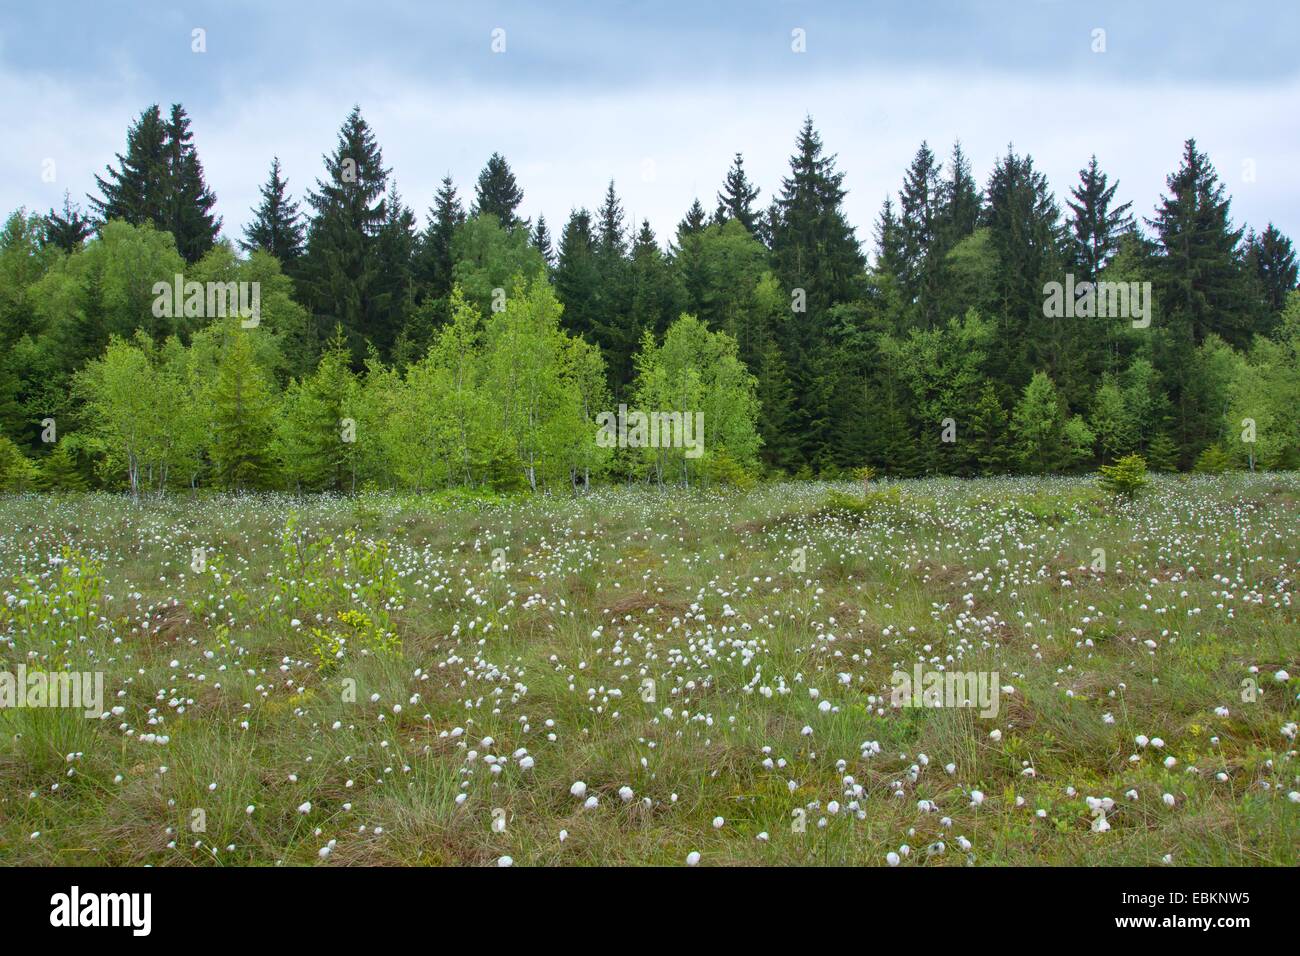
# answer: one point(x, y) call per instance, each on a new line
point(725, 470)
point(1213, 461)
point(17, 471)
point(1126, 477)
point(1162, 454)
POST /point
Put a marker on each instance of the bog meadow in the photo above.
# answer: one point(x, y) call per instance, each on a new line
point(348, 527)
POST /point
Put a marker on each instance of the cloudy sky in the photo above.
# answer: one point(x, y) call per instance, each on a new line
point(658, 96)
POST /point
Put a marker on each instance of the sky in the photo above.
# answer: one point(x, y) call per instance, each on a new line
point(659, 96)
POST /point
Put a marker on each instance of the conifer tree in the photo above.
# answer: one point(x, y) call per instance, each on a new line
point(67, 229)
point(1199, 264)
point(613, 324)
point(277, 225)
point(737, 197)
point(813, 246)
point(160, 181)
point(654, 297)
point(135, 192)
point(988, 431)
point(920, 211)
point(816, 256)
point(1202, 287)
point(497, 193)
point(315, 429)
point(610, 236)
point(577, 274)
point(960, 200)
point(396, 281)
point(693, 222)
point(189, 214)
point(541, 240)
point(1026, 238)
point(890, 260)
point(1273, 260)
point(60, 471)
point(1095, 227)
point(433, 264)
point(242, 427)
point(341, 271)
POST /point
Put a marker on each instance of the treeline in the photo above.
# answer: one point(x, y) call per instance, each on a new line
point(934, 357)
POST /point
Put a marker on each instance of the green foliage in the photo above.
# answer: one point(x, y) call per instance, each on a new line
point(1162, 454)
point(60, 470)
point(160, 182)
point(868, 503)
point(316, 428)
point(936, 359)
point(243, 412)
point(1212, 461)
point(1126, 477)
point(1048, 440)
point(697, 373)
point(17, 471)
point(722, 469)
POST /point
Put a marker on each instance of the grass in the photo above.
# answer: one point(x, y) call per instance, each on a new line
point(719, 655)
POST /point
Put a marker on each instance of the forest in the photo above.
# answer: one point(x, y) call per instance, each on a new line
point(478, 350)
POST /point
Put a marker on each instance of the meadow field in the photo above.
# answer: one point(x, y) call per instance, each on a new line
point(642, 677)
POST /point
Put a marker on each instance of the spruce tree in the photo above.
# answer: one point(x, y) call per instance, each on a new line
point(1273, 261)
point(61, 472)
point(309, 443)
point(433, 263)
point(497, 193)
point(988, 430)
point(654, 296)
point(541, 240)
point(736, 200)
point(813, 246)
point(66, 230)
point(960, 200)
point(577, 275)
point(610, 236)
point(189, 216)
point(890, 260)
point(277, 226)
point(135, 192)
point(395, 250)
point(693, 222)
point(1027, 240)
point(1095, 228)
point(341, 270)
point(816, 256)
point(1202, 287)
point(242, 419)
point(1199, 264)
point(919, 204)
point(613, 324)
point(160, 181)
